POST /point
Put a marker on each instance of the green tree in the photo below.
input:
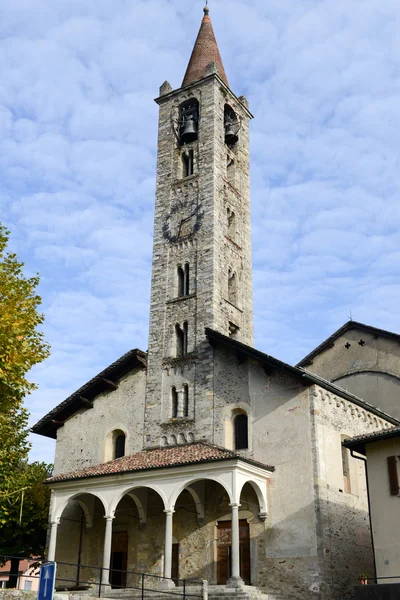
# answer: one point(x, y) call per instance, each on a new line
point(24, 501)
point(22, 345)
point(23, 532)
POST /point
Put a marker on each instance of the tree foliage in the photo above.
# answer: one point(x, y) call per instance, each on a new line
point(22, 345)
point(24, 501)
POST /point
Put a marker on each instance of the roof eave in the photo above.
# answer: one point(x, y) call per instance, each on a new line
point(268, 468)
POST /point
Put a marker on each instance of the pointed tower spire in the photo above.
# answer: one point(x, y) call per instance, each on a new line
point(204, 52)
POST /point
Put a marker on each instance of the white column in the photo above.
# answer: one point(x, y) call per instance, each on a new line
point(53, 540)
point(105, 576)
point(180, 403)
point(167, 582)
point(235, 579)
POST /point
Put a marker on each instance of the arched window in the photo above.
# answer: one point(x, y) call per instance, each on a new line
point(186, 281)
point(181, 335)
point(185, 400)
point(188, 121)
point(187, 163)
point(119, 445)
point(240, 432)
point(183, 280)
point(174, 403)
point(231, 125)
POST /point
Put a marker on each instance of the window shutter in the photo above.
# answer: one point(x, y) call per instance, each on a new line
point(393, 477)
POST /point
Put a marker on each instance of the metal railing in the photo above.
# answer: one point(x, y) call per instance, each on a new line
point(140, 582)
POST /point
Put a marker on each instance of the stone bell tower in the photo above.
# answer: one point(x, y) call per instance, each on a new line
point(202, 244)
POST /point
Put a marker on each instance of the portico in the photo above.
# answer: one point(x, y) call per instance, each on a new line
point(187, 496)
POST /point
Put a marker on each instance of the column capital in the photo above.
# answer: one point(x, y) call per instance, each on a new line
point(109, 517)
point(170, 511)
point(56, 521)
point(235, 505)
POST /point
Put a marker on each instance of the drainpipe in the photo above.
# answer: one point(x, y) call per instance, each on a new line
point(364, 460)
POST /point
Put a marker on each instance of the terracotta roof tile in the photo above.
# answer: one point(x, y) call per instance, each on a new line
point(205, 51)
point(358, 443)
point(158, 458)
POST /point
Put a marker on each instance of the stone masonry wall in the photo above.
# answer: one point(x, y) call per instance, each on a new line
point(210, 253)
point(81, 442)
point(344, 543)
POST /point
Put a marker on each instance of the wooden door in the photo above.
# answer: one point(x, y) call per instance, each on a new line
point(224, 541)
point(175, 563)
point(119, 559)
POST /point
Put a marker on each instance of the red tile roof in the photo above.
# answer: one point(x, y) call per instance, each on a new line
point(158, 458)
point(205, 51)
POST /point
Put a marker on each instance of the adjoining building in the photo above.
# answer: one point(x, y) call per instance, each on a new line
point(205, 458)
point(381, 452)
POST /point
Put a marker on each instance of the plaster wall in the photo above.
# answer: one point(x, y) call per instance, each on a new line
point(81, 442)
point(365, 364)
point(385, 509)
point(280, 435)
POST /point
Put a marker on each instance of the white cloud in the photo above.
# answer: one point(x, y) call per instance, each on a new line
point(78, 141)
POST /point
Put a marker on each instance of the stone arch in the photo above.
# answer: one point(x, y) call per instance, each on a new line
point(261, 497)
point(174, 496)
point(199, 504)
point(128, 491)
point(59, 509)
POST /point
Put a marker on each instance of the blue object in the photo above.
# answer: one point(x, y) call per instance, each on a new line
point(47, 579)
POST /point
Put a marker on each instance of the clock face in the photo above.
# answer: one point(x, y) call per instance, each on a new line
point(182, 222)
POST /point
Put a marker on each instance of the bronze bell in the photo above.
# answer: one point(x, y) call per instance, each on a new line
point(231, 136)
point(189, 130)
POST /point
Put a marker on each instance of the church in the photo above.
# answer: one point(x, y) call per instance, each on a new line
point(204, 458)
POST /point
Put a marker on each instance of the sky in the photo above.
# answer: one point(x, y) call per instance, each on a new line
point(78, 140)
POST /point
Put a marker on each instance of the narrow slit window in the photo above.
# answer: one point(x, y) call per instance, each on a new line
point(181, 335)
point(231, 224)
point(185, 400)
point(185, 338)
point(181, 282)
point(186, 280)
point(346, 470)
point(233, 331)
point(241, 438)
point(232, 287)
point(393, 475)
point(174, 403)
point(230, 171)
point(187, 163)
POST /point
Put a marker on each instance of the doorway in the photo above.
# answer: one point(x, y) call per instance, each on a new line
point(175, 563)
point(224, 541)
point(119, 559)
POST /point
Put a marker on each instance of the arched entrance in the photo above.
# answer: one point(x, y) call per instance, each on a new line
point(81, 525)
point(137, 544)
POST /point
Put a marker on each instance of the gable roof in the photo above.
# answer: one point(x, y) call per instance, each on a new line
point(358, 443)
point(84, 396)
point(306, 377)
point(204, 52)
point(350, 325)
point(159, 458)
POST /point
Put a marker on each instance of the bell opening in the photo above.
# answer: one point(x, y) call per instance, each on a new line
point(232, 126)
point(188, 121)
